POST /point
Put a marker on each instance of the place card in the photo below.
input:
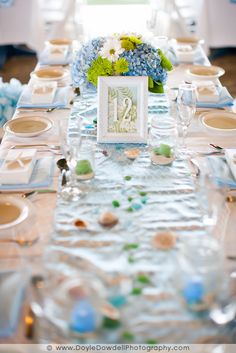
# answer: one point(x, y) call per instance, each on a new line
point(43, 93)
point(17, 167)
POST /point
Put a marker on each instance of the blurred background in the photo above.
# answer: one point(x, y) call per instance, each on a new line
point(25, 25)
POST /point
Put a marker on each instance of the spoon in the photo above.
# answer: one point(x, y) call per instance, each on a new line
point(63, 166)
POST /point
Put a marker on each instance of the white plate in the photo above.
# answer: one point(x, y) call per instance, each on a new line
point(193, 41)
point(28, 126)
point(205, 72)
point(49, 74)
point(13, 210)
point(221, 123)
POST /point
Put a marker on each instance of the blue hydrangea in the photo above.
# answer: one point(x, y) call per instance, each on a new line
point(9, 95)
point(143, 61)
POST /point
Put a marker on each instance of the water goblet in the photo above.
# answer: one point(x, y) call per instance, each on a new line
point(186, 106)
point(161, 42)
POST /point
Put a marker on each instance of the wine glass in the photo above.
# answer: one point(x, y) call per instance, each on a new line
point(70, 137)
point(186, 106)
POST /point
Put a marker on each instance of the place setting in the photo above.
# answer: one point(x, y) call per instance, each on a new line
point(187, 50)
point(56, 52)
point(44, 94)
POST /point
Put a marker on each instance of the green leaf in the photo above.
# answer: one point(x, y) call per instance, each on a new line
point(111, 324)
point(136, 291)
point(131, 259)
point(151, 341)
point(115, 203)
point(131, 246)
point(130, 198)
point(157, 87)
point(130, 209)
point(128, 336)
point(128, 177)
point(165, 63)
point(150, 82)
point(142, 193)
point(143, 279)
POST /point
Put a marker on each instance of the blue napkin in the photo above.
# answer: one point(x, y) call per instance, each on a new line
point(44, 59)
point(221, 172)
point(41, 177)
point(6, 3)
point(12, 291)
point(225, 100)
point(60, 100)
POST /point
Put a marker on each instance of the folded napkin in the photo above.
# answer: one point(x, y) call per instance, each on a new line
point(225, 100)
point(60, 100)
point(230, 156)
point(198, 58)
point(44, 59)
point(222, 174)
point(42, 176)
point(12, 290)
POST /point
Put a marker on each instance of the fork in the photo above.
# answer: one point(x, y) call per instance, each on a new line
point(52, 147)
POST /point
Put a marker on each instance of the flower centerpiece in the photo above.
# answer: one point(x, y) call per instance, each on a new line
point(120, 55)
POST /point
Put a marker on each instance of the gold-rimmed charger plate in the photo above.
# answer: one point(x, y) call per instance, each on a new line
point(221, 123)
point(193, 41)
point(60, 41)
point(49, 74)
point(205, 72)
point(13, 210)
point(28, 126)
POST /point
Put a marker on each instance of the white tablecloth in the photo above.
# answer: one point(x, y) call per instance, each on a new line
point(217, 23)
point(197, 139)
point(22, 24)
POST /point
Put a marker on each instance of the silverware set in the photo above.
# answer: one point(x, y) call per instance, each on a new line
point(41, 147)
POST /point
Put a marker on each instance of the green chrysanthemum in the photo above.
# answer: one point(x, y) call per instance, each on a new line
point(130, 42)
point(121, 66)
point(127, 44)
point(99, 67)
point(136, 40)
point(165, 63)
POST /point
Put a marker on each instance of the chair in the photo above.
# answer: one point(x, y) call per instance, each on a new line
point(172, 18)
point(59, 17)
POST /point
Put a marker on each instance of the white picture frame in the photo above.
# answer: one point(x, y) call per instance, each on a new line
point(122, 109)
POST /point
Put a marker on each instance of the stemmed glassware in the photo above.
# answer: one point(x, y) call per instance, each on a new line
point(186, 106)
point(70, 142)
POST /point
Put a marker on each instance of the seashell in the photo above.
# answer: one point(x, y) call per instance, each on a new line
point(80, 223)
point(77, 292)
point(164, 240)
point(108, 219)
point(132, 154)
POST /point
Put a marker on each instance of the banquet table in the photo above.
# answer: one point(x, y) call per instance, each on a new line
point(53, 235)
